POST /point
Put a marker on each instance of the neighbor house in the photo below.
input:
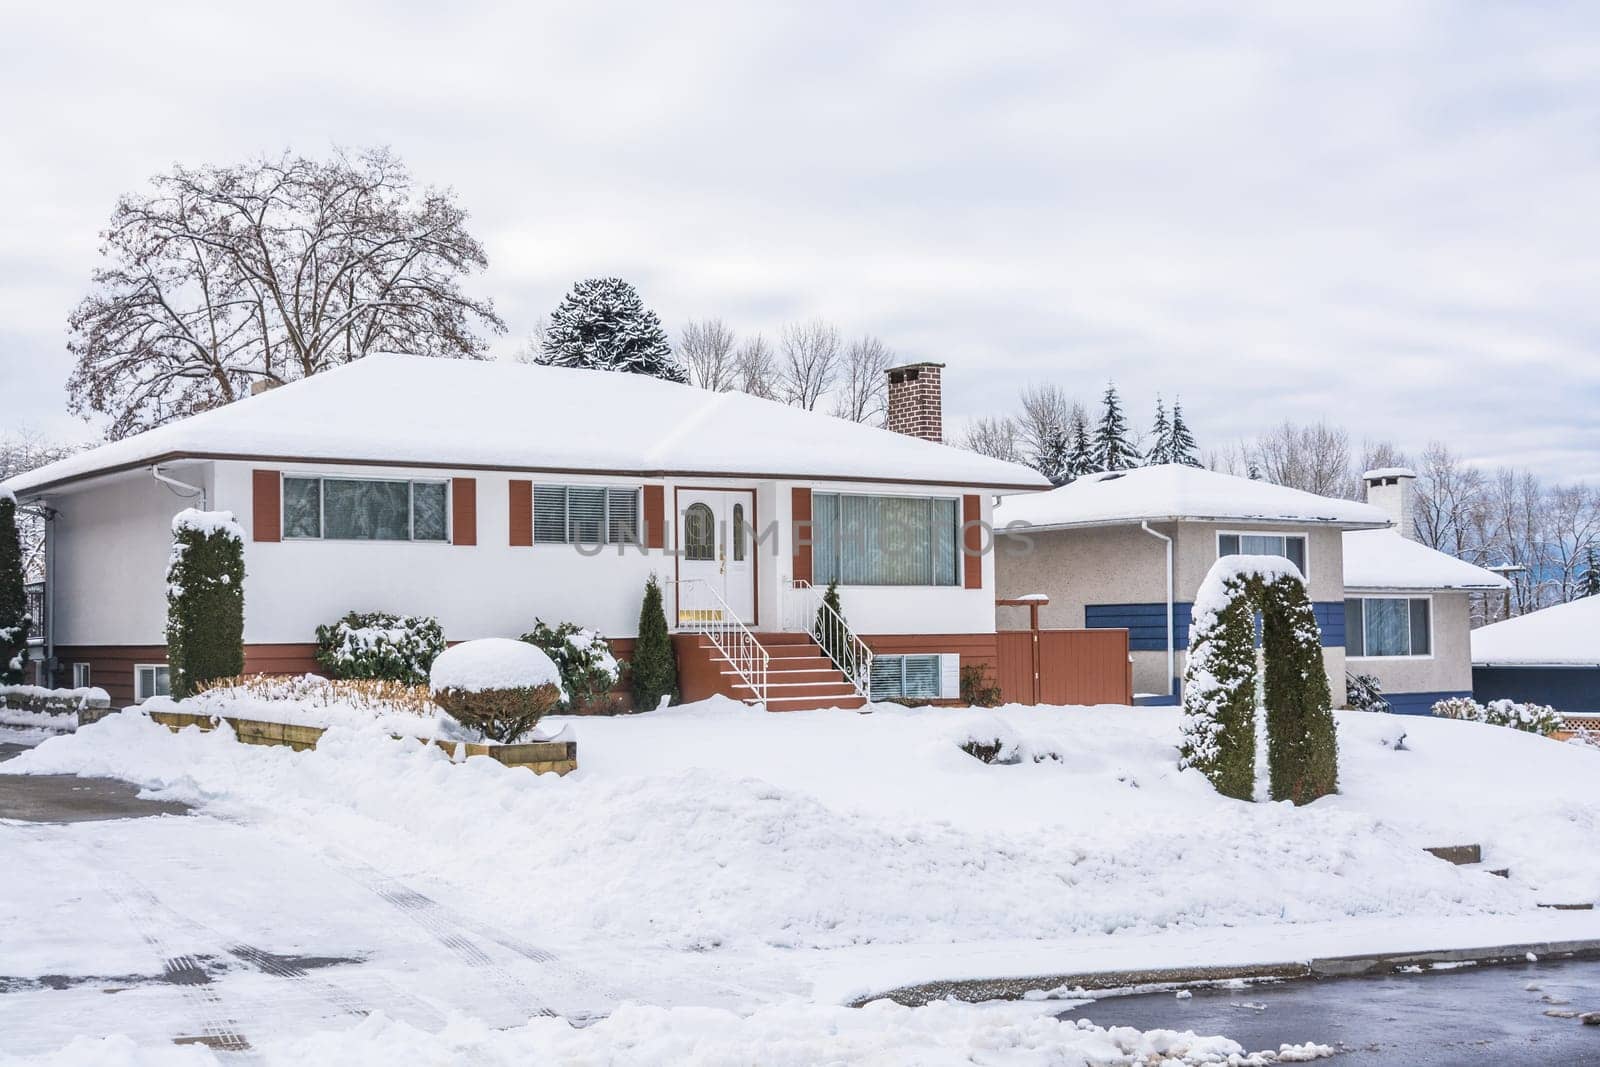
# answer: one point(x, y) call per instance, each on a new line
point(1129, 549)
point(1408, 607)
point(490, 493)
point(1550, 656)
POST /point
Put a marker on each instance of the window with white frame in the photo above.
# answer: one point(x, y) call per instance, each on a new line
point(585, 515)
point(884, 540)
point(1388, 626)
point(151, 680)
point(1291, 547)
point(901, 677)
point(80, 676)
point(365, 509)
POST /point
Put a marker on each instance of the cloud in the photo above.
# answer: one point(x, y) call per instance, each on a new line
point(1383, 215)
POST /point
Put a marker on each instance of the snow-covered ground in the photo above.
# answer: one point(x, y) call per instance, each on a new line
point(711, 859)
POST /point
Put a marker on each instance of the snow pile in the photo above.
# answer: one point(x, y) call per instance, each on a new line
point(816, 830)
point(786, 1035)
point(1563, 635)
point(1383, 559)
point(72, 699)
point(493, 663)
point(7, 496)
point(206, 523)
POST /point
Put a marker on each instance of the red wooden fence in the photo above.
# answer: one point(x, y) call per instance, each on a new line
point(1064, 667)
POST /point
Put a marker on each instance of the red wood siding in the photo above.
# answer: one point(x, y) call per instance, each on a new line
point(800, 509)
point(464, 511)
point(1083, 667)
point(111, 666)
point(972, 541)
point(1016, 667)
point(266, 506)
point(655, 516)
point(521, 513)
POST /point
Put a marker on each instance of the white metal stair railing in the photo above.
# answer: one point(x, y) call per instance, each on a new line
point(702, 610)
point(839, 643)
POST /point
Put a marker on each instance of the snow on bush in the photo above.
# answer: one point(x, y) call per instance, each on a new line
point(588, 670)
point(499, 686)
point(310, 700)
point(14, 619)
point(1219, 690)
point(1533, 718)
point(377, 644)
point(205, 599)
point(1363, 692)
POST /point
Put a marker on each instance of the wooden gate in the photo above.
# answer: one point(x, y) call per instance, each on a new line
point(1064, 667)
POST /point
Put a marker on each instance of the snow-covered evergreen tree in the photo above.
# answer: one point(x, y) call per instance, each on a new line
point(1591, 573)
point(1181, 448)
point(1160, 437)
point(1080, 449)
point(1113, 450)
point(603, 325)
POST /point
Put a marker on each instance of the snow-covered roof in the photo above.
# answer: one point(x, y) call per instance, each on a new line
point(1389, 472)
point(467, 413)
point(1564, 635)
point(1382, 559)
point(1171, 492)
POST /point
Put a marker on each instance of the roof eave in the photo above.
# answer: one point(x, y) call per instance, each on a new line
point(1134, 520)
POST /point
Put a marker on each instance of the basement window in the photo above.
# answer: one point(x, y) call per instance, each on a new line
point(151, 680)
point(906, 677)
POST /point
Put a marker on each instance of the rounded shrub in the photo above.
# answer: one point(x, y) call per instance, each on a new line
point(497, 686)
point(380, 645)
point(205, 600)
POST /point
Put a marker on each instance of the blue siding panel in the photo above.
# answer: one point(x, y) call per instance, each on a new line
point(1571, 689)
point(1146, 623)
point(1330, 619)
point(1417, 703)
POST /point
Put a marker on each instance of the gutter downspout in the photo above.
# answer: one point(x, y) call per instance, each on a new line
point(1172, 652)
point(194, 490)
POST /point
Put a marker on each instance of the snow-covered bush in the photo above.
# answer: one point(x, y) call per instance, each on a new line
point(1219, 698)
point(588, 670)
point(205, 599)
point(496, 685)
point(1532, 718)
point(377, 644)
point(1363, 692)
point(14, 620)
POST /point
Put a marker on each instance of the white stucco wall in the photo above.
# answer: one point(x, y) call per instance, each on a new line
point(113, 538)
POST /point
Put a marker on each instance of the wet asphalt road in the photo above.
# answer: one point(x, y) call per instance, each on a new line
point(1472, 1015)
point(67, 798)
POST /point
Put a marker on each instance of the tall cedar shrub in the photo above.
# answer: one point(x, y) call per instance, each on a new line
point(1219, 686)
point(205, 600)
point(834, 644)
point(14, 620)
point(655, 667)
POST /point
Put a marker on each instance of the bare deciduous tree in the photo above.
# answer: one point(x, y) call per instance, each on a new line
point(756, 369)
point(1042, 429)
point(996, 437)
point(810, 354)
point(707, 350)
point(864, 388)
point(1314, 457)
point(270, 270)
point(20, 452)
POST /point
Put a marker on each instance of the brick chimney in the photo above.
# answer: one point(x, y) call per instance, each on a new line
point(1394, 489)
point(915, 404)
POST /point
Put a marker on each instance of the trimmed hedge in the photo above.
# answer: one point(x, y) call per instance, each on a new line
point(205, 600)
point(380, 645)
point(504, 715)
point(14, 620)
point(654, 667)
point(1219, 692)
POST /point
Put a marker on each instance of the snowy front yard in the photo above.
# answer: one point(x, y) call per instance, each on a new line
point(711, 859)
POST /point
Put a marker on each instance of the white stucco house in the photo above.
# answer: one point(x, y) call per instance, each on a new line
point(489, 493)
point(1130, 549)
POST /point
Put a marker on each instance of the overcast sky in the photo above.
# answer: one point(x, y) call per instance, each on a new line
point(1383, 216)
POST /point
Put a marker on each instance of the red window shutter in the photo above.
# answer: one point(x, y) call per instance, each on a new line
point(464, 511)
point(521, 513)
point(972, 541)
point(266, 519)
point(800, 514)
point(655, 516)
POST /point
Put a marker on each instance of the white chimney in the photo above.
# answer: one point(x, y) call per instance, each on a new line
point(1394, 489)
point(916, 405)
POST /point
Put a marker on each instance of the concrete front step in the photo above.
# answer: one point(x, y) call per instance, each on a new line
point(816, 674)
point(813, 703)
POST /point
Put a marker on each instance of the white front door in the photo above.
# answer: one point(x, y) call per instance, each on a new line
point(716, 545)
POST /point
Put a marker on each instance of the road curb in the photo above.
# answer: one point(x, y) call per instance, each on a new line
point(974, 990)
